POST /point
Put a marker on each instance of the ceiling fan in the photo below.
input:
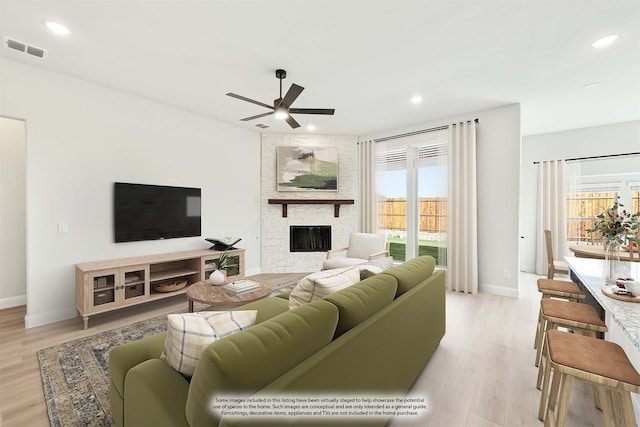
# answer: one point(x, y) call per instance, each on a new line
point(282, 106)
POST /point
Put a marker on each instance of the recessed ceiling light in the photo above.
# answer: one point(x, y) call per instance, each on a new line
point(311, 127)
point(590, 85)
point(57, 28)
point(605, 41)
point(416, 99)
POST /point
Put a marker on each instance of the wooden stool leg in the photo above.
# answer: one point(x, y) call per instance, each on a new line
point(550, 419)
point(563, 401)
point(545, 367)
point(547, 326)
point(596, 398)
point(609, 407)
point(627, 408)
point(536, 343)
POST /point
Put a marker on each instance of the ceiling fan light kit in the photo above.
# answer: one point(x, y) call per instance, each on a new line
point(281, 106)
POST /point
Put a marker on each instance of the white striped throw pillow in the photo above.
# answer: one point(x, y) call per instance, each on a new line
point(318, 285)
point(189, 334)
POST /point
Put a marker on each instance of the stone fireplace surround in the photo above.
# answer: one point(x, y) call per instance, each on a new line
point(275, 254)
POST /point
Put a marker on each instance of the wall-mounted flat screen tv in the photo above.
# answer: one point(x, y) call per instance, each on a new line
point(154, 212)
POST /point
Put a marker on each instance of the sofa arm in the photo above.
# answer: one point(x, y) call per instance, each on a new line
point(156, 395)
point(124, 357)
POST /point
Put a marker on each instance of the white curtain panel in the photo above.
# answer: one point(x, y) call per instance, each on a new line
point(462, 219)
point(368, 204)
point(551, 213)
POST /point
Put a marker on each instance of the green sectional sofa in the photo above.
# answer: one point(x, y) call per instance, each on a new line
point(372, 338)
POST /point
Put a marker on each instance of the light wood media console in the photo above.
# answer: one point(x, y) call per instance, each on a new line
point(103, 286)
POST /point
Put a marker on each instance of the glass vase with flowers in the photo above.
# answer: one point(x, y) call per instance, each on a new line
point(616, 227)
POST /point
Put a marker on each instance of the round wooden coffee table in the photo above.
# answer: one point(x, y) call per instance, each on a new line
point(206, 293)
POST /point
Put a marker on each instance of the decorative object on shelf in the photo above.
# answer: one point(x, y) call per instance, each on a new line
point(217, 277)
point(169, 286)
point(224, 243)
point(307, 168)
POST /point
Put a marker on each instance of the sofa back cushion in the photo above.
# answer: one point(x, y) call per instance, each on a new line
point(318, 285)
point(247, 361)
point(361, 245)
point(410, 273)
point(358, 302)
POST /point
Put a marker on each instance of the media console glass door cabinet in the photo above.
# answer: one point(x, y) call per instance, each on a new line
point(103, 286)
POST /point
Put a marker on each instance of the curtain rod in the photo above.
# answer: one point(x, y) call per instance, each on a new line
point(419, 132)
point(597, 157)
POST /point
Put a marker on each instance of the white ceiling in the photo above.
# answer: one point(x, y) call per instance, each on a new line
point(363, 58)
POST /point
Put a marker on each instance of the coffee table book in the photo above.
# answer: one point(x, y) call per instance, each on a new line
point(241, 287)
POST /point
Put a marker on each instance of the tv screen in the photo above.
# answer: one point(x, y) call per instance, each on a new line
point(153, 212)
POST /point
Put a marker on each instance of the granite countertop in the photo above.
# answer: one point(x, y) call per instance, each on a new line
point(626, 314)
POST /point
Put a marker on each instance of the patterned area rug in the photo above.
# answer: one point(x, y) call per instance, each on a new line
point(75, 375)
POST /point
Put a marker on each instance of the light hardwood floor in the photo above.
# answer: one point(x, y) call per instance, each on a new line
point(481, 375)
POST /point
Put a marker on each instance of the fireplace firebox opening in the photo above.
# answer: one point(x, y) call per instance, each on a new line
point(309, 238)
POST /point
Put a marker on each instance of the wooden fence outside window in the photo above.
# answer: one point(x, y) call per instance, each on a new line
point(392, 214)
point(582, 209)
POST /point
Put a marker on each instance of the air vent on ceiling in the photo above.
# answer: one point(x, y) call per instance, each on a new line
point(25, 48)
point(262, 126)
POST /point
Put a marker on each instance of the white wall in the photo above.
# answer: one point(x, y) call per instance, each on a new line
point(498, 171)
point(275, 229)
point(594, 141)
point(13, 262)
point(82, 137)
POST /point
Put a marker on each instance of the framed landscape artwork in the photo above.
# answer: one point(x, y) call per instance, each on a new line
point(307, 168)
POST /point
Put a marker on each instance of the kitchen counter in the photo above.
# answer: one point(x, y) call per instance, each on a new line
point(625, 314)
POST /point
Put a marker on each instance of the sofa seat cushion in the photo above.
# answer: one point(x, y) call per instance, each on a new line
point(410, 273)
point(318, 285)
point(360, 301)
point(341, 262)
point(189, 333)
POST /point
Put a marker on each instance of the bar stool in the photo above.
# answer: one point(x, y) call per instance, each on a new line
point(561, 289)
point(581, 318)
point(601, 363)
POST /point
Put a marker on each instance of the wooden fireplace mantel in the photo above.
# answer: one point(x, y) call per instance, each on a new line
point(335, 202)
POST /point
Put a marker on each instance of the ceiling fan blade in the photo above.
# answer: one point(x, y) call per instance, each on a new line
point(243, 98)
point(293, 92)
point(246, 119)
point(292, 122)
point(328, 111)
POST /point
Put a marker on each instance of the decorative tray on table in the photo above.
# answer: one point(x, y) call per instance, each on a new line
point(615, 292)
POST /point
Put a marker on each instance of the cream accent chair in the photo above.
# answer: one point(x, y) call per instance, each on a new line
point(362, 247)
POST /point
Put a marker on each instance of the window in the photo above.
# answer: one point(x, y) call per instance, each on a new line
point(411, 183)
point(582, 209)
point(635, 201)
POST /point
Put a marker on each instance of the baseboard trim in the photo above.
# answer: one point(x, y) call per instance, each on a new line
point(499, 290)
point(32, 321)
point(13, 301)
